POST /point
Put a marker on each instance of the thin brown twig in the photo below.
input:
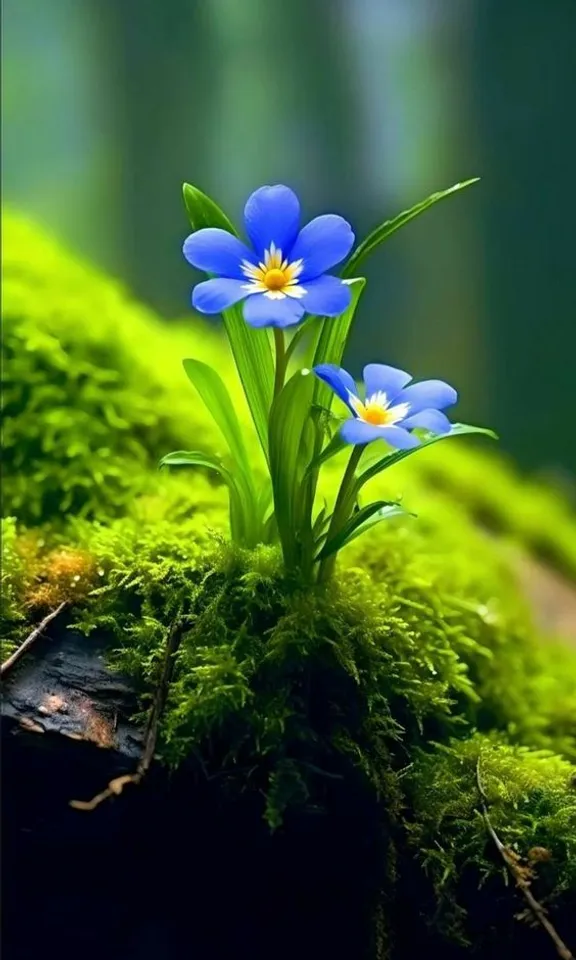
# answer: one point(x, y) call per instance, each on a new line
point(116, 786)
point(30, 639)
point(520, 876)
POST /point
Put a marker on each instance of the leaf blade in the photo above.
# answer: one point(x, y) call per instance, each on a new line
point(386, 229)
point(289, 419)
point(218, 402)
point(363, 520)
point(458, 430)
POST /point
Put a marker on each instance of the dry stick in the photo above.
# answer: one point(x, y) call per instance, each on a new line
point(517, 873)
point(116, 786)
point(11, 660)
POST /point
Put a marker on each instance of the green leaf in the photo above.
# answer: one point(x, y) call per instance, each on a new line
point(386, 229)
point(363, 520)
point(335, 330)
point(195, 458)
point(241, 515)
point(217, 401)
point(321, 523)
point(289, 456)
point(330, 348)
point(253, 358)
point(250, 347)
point(203, 212)
point(458, 430)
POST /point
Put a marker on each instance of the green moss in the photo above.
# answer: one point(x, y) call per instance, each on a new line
point(304, 696)
point(538, 516)
point(14, 579)
point(94, 392)
point(474, 479)
point(432, 610)
point(531, 806)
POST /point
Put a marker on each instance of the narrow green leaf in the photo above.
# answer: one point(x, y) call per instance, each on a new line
point(203, 212)
point(458, 430)
point(330, 347)
point(219, 404)
point(241, 518)
point(253, 357)
point(335, 330)
point(194, 458)
point(250, 347)
point(289, 456)
point(321, 522)
point(363, 520)
point(386, 229)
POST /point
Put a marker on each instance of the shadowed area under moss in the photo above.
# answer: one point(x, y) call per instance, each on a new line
point(531, 804)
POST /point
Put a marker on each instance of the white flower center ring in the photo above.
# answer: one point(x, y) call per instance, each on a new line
point(274, 277)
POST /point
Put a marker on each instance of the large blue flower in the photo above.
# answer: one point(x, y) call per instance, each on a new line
point(391, 409)
point(284, 275)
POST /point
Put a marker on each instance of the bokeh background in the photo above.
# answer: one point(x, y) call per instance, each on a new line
point(364, 107)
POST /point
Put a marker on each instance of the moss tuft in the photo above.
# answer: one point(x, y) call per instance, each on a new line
point(531, 799)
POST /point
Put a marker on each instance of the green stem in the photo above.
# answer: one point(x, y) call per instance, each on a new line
point(341, 511)
point(281, 360)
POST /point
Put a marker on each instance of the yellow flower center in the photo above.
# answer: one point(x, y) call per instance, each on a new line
point(377, 415)
point(377, 410)
point(275, 279)
point(274, 276)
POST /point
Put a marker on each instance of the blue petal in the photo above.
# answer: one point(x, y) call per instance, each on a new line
point(432, 420)
point(430, 394)
point(357, 431)
point(326, 297)
point(213, 296)
point(377, 377)
point(261, 311)
point(399, 438)
point(272, 215)
point(338, 379)
point(217, 251)
point(321, 244)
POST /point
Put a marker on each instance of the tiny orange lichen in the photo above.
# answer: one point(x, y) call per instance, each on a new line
point(64, 575)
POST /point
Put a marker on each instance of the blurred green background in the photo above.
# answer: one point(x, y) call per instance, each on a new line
point(364, 107)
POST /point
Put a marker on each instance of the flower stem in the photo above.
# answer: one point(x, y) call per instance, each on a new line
point(340, 512)
point(281, 360)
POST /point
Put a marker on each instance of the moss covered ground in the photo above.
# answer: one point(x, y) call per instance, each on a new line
point(420, 660)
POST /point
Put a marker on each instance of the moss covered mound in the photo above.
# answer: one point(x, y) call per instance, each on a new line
point(387, 686)
point(372, 687)
point(94, 392)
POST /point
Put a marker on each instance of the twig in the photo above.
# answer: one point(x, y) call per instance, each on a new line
point(519, 874)
point(116, 786)
point(14, 657)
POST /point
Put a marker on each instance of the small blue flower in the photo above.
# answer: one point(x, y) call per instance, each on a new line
point(284, 275)
point(391, 409)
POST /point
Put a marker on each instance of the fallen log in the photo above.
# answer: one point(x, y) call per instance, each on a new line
point(171, 868)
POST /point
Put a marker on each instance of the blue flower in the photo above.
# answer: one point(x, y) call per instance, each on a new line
point(391, 409)
point(284, 275)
